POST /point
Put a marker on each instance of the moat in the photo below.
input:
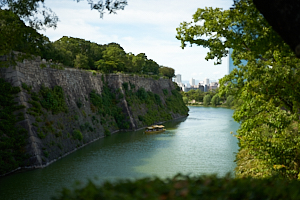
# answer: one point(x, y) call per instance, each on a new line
point(196, 145)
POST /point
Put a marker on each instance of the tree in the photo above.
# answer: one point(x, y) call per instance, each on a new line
point(229, 101)
point(151, 67)
point(215, 100)
point(266, 87)
point(81, 61)
point(197, 95)
point(114, 58)
point(206, 100)
point(185, 100)
point(138, 62)
point(167, 71)
point(15, 35)
point(30, 10)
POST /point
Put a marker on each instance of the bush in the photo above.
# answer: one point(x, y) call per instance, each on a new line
point(185, 187)
point(125, 86)
point(157, 99)
point(53, 100)
point(185, 100)
point(215, 100)
point(107, 132)
point(165, 91)
point(142, 94)
point(77, 135)
point(206, 100)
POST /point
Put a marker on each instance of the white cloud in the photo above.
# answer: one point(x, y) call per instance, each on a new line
point(147, 26)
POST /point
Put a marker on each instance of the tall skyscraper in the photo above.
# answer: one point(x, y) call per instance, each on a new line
point(192, 82)
point(231, 66)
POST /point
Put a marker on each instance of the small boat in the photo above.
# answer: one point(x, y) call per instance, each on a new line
point(155, 129)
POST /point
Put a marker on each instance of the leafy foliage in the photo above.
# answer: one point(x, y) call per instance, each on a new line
point(67, 51)
point(77, 135)
point(114, 59)
point(230, 101)
point(31, 11)
point(265, 88)
point(215, 100)
point(165, 91)
point(167, 71)
point(152, 103)
point(53, 100)
point(107, 104)
point(81, 61)
point(185, 187)
point(12, 136)
point(175, 103)
point(198, 95)
point(142, 94)
point(15, 35)
point(206, 100)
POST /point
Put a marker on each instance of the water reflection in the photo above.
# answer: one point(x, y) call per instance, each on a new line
point(199, 144)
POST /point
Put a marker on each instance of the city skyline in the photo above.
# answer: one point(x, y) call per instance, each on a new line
point(196, 80)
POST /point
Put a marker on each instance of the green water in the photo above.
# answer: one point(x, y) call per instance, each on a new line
point(198, 144)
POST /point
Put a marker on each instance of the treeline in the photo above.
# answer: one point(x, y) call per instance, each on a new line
point(73, 52)
point(212, 98)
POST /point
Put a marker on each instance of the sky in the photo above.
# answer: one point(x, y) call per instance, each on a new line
point(144, 26)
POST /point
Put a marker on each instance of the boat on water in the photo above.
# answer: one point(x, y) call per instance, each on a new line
point(155, 129)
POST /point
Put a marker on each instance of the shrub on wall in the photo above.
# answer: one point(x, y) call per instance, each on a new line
point(77, 135)
point(53, 99)
point(142, 94)
point(106, 103)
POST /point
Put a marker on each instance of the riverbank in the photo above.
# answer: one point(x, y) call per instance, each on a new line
point(201, 105)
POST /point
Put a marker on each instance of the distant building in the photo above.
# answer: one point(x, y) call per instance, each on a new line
point(206, 88)
point(181, 85)
point(192, 82)
point(206, 81)
point(178, 78)
point(186, 89)
point(231, 66)
point(193, 86)
point(201, 87)
point(213, 85)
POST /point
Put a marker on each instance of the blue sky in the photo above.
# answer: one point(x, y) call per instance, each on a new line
point(144, 26)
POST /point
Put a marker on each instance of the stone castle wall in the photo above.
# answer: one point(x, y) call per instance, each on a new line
point(77, 85)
